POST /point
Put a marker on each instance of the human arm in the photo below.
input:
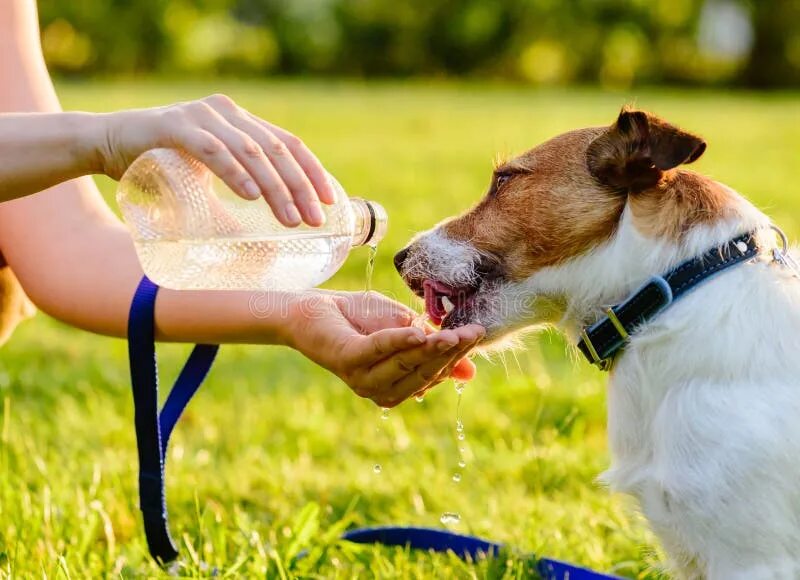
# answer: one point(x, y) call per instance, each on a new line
point(77, 262)
point(253, 157)
point(40, 146)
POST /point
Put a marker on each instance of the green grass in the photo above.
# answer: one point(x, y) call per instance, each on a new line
point(275, 455)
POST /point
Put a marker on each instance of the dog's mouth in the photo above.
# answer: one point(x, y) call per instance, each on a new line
point(447, 306)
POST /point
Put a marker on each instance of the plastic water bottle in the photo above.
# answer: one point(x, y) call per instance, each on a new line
point(192, 233)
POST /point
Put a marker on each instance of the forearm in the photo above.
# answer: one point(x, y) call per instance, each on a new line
point(39, 150)
point(75, 260)
point(81, 268)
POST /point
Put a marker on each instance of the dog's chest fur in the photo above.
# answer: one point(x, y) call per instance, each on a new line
point(704, 409)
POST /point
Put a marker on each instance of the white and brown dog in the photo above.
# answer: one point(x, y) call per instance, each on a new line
point(704, 398)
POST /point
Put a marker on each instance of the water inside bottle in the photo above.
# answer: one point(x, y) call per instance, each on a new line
point(290, 262)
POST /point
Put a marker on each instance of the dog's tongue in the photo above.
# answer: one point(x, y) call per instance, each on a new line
point(433, 300)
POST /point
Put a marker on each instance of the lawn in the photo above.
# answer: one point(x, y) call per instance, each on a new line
point(275, 455)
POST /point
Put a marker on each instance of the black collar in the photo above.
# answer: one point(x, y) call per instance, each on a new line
point(601, 341)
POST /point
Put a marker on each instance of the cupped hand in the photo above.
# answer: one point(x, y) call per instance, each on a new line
point(367, 340)
point(253, 157)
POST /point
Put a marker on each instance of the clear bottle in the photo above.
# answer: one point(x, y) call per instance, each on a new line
point(192, 233)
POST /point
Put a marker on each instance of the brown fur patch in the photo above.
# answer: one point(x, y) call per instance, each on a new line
point(549, 208)
point(680, 201)
point(566, 196)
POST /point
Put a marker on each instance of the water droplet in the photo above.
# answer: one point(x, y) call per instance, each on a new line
point(462, 464)
point(384, 413)
point(450, 518)
point(420, 320)
point(419, 399)
point(373, 250)
point(459, 425)
point(461, 436)
point(457, 477)
point(459, 386)
point(377, 468)
point(462, 450)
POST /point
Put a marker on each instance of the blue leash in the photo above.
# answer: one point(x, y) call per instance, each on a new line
point(463, 546)
point(153, 430)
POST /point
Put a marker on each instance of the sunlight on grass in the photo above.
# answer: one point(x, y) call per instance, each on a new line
point(275, 455)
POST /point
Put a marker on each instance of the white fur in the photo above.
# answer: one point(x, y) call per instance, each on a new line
point(453, 261)
point(704, 402)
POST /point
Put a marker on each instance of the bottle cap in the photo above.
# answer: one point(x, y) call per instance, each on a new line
point(371, 222)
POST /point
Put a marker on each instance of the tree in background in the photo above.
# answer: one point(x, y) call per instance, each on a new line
point(775, 58)
point(613, 42)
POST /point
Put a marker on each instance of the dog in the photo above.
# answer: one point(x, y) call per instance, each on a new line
point(704, 392)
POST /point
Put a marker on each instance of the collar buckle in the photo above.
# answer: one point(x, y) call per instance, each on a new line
point(604, 364)
point(782, 255)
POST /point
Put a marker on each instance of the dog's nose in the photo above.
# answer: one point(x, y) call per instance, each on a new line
point(399, 258)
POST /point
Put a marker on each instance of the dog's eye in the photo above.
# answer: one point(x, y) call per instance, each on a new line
point(501, 180)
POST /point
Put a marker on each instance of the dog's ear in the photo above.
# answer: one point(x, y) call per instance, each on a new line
point(635, 151)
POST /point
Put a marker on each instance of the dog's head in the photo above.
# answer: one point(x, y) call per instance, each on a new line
point(544, 208)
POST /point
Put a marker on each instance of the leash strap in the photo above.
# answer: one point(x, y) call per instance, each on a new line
point(600, 342)
point(153, 430)
point(465, 547)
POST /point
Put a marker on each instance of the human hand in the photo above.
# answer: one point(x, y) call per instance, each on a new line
point(367, 340)
point(253, 157)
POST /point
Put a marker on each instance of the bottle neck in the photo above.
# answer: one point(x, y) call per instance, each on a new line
point(370, 222)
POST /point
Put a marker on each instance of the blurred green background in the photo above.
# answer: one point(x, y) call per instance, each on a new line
point(276, 455)
point(753, 43)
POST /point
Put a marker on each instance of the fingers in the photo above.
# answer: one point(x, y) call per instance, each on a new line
point(464, 370)
point(252, 157)
point(206, 147)
point(427, 359)
point(307, 160)
point(251, 154)
point(385, 343)
point(296, 182)
point(372, 311)
point(430, 374)
point(461, 369)
point(398, 377)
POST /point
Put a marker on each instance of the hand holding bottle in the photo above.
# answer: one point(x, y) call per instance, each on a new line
point(253, 157)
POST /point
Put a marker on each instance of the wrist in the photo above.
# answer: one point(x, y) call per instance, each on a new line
point(301, 315)
point(281, 316)
point(91, 143)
